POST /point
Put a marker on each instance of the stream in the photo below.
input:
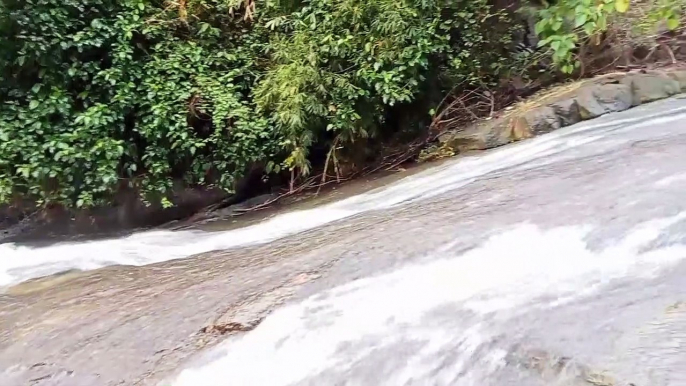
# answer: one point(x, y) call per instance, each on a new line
point(560, 260)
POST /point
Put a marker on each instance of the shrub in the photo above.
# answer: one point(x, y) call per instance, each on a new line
point(567, 24)
point(101, 94)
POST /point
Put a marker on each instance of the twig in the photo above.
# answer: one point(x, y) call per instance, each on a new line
point(326, 163)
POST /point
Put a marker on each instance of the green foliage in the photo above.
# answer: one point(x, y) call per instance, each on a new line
point(566, 23)
point(62, 119)
point(99, 94)
point(339, 64)
point(668, 12)
point(103, 92)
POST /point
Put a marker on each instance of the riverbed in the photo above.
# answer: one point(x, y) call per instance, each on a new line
point(557, 260)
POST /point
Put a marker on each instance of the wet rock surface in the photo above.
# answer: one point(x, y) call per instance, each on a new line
point(141, 325)
point(23, 222)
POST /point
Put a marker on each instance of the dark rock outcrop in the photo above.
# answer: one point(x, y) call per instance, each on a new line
point(651, 87)
point(679, 76)
point(600, 99)
point(24, 222)
point(537, 121)
point(589, 99)
point(480, 136)
point(567, 111)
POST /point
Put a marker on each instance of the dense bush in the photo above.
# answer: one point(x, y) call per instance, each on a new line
point(569, 24)
point(102, 91)
point(98, 94)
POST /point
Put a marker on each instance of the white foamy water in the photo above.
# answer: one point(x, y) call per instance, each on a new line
point(667, 181)
point(19, 263)
point(337, 336)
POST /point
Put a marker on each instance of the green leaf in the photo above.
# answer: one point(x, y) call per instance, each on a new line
point(544, 42)
point(581, 19)
point(34, 104)
point(589, 28)
point(622, 5)
point(673, 23)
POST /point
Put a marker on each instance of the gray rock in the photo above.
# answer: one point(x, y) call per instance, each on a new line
point(480, 136)
point(567, 111)
point(596, 100)
point(593, 99)
point(258, 200)
point(651, 87)
point(679, 76)
point(244, 205)
point(614, 97)
point(538, 121)
point(589, 107)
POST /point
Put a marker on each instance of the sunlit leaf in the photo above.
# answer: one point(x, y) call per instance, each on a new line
point(622, 5)
point(673, 23)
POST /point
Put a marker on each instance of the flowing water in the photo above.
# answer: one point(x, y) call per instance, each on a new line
point(555, 261)
point(20, 263)
point(449, 322)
